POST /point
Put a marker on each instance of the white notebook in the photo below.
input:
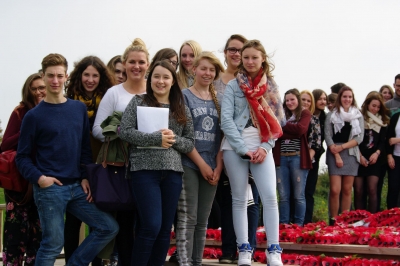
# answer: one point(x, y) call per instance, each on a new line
point(151, 119)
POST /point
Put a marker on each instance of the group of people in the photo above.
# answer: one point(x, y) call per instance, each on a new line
point(228, 132)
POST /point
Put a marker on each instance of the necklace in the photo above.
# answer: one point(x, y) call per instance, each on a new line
point(202, 95)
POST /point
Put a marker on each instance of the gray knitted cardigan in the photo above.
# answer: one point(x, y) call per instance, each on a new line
point(155, 159)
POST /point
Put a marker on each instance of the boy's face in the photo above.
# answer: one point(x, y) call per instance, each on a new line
point(54, 78)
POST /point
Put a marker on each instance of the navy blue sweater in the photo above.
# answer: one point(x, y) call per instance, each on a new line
point(60, 135)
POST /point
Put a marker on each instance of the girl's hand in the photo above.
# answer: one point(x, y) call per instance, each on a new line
point(391, 161)
point(312, 154)
point(259, 155)
point(334, 149)
point(363, 161)
point(393, 141)
point(373, 158)
point(215, 177)
point(339, 161)
point(206, 172)
point(168, 138)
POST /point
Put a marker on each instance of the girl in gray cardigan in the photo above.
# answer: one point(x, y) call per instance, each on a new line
point(157, 173)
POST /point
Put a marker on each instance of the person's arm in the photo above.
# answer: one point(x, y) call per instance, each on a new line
point(301, 127)
point(204, 168)
point(11, 135)
point(106, 108)
point(228, 126)
point(25, 146)
point(380, 146)
point(129, 133)
point(185, 142)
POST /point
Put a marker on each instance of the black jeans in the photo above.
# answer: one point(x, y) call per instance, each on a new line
point(393, 184)
point(228, 236)
point(311, 184)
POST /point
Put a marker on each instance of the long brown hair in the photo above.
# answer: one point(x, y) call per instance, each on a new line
point(383, 111)
point(177, 103)
point(299, 108)
point(74, 85)
point(28, 99)
point(338, 102)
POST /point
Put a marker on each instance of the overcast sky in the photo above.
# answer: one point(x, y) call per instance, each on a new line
point(315, 44)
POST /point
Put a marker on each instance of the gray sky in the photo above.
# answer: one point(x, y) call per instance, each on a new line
point(315, 44)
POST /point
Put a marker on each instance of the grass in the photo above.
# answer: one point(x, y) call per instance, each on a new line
point(2, 196)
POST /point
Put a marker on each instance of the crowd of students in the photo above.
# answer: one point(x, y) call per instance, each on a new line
point(229, 137)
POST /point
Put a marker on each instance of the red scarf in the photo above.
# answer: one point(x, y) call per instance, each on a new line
point(261, 114)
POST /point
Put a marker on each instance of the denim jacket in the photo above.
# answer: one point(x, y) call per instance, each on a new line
point(235, 114)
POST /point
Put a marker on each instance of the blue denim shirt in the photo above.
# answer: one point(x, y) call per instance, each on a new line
point(235, 114)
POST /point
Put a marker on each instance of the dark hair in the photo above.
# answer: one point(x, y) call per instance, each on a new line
point(74, 85)
point(267, 66)
point(163, 54)
point(332, 97)
point(338, 102)
point(336, 88)
point(237, 37)
point(54, 60)
point(383, 111)
point(177, 104)
point(396, 77)
point(28, 99)
point(299, 108)
point(317, 93)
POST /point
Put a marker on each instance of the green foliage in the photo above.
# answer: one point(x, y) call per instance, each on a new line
point(2, 200)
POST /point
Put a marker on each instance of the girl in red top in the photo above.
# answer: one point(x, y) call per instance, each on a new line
point(22, 233)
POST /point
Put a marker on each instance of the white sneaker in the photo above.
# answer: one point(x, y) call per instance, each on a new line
point(274, 255)
point(245, 253)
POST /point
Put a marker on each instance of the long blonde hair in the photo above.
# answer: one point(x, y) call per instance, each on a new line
point(210, 57)
point(182, 74)
point(312, 106)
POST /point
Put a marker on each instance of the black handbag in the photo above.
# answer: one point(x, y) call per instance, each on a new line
point(111, 191)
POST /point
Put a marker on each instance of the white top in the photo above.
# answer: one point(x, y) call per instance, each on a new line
point(396, 150)
point(251, 138)
point(115, 99)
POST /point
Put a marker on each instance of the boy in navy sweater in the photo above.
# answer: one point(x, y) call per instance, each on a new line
point(58, 131)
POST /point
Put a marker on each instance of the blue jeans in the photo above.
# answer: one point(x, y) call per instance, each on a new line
point(156, 193)
point(289, 174)
point(52, 203)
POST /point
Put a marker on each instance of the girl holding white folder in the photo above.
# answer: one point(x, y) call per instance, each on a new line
point(157, 173)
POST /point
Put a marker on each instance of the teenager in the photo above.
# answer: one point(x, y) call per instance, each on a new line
point(58, 130)
point(393, 156)
point(251, 111)
point(331, 101)
point(187, 53)
point(344, 131)
point(376, 119)
point(315, 140)
point(165, 54)
point(224, 196)
point(136, 62)
point(387, 93)
point(202, 167)
point(22, 232)
point(116, 68)
point(88, 83)
point(157, 173)
point(292, 158)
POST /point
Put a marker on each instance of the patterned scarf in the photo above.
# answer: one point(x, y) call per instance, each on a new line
point(92, 104)
point(374, 122)
point(262, 116)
